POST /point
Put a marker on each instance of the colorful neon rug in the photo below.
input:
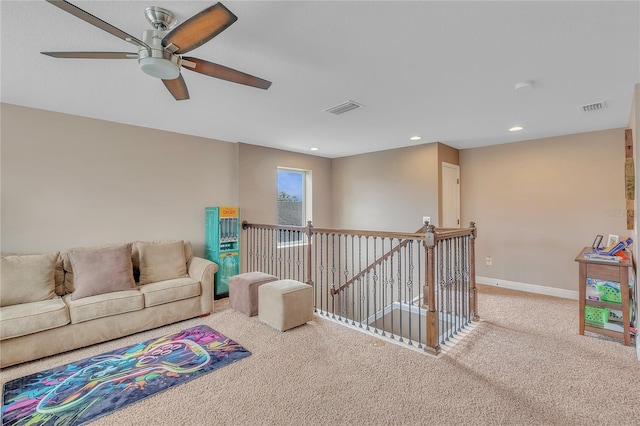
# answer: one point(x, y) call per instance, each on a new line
point(77, 393)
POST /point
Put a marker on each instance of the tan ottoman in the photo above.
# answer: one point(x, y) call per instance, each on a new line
point(243, 291)
point(285, 304)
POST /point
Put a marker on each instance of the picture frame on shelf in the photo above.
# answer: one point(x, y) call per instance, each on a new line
point(597, 242)
point(612, 240)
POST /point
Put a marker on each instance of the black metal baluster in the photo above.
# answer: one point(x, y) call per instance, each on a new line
point(324, 292)
point(368, 278)
point(441, 289)
point(421, 283)
point(390, 284)
point(375, 287)
point(409, 292)
point(400, 286)
point(353, 285)
point(360, 281)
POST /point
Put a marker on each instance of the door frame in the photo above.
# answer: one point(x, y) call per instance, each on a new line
point(455, 195)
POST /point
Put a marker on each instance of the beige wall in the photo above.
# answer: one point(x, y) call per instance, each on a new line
point(69, 181)
point(257, 183)
point(386, 190)
point(538, 203)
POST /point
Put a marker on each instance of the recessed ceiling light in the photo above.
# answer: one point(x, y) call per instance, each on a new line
point(314, 149)
point(415, 138)
point(516, 128)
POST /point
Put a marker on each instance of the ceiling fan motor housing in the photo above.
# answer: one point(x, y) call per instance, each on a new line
point(158, 62)
point(160, 18)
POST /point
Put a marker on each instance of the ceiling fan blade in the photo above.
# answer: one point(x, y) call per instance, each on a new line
point(224, 73)
point(93, 55)
point(178, 88)
point(87, 17)
point(199, 29)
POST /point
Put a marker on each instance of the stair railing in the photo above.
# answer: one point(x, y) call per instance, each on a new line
point(372, 280)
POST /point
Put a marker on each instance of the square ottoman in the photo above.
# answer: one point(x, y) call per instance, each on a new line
point(285, 304)
point(243, 291)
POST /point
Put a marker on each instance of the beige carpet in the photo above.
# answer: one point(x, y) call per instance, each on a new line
point(524, 364)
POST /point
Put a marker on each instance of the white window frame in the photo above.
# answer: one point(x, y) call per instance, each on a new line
point(306, 202)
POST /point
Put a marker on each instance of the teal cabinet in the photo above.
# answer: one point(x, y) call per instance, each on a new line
point(222, 245)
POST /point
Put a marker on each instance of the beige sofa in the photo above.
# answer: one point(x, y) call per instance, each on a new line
point(56, 302)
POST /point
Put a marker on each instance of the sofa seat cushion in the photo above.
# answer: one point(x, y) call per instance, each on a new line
point(27, 318)
point(103, 305)
point(169, 291)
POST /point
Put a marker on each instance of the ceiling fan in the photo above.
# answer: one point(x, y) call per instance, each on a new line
point(159, 51)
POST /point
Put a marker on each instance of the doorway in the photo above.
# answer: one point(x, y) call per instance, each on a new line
point(450, 196)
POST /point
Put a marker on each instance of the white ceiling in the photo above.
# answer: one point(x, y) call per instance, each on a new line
point(443, 70)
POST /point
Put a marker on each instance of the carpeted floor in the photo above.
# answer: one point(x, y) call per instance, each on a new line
point(524, 364)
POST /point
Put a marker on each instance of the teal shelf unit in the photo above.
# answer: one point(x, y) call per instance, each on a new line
point(222, 245)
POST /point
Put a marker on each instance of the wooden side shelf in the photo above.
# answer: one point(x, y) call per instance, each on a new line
point(610, 271)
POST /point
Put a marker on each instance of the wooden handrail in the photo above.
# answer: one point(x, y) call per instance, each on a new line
point(354, 232)
point(246, 225)
point(442, 234)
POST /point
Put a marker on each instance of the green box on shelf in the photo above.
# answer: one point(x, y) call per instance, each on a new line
point(609, 294)
point(596, 315)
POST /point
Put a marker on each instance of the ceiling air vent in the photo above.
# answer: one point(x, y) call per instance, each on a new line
point(343, 107)
point(594, 107)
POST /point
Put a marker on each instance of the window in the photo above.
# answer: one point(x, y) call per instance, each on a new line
point(294, 208)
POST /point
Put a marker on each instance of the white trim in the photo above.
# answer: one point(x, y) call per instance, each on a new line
point(530, 288)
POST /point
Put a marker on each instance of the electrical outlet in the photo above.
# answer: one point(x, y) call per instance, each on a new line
point(426, 219)
point(488, 261)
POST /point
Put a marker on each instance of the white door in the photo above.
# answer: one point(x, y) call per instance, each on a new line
point(450, 195)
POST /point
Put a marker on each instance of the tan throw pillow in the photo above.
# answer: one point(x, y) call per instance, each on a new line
point(27, 278)
point(161, 261)
point(101, 271)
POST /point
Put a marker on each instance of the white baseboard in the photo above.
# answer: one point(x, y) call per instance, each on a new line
point(531, 288)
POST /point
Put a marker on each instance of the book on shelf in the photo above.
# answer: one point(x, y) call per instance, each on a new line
point(599, 256)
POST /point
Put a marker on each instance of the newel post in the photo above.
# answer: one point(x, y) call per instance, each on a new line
point(309, 232)
point(472, 271)
point(429, 292)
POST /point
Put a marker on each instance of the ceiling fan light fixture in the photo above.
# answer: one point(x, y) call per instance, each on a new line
point(156, 61)
point(159, 68)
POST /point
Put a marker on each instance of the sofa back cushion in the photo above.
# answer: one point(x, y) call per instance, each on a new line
point(161, 261)
point(59, 274)
point(101, 271)
point(27, 278)
point(135, 256)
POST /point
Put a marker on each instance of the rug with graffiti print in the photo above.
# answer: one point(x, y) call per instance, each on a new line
point(77, 393)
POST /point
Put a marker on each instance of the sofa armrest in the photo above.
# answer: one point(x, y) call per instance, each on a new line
point(203, 270)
